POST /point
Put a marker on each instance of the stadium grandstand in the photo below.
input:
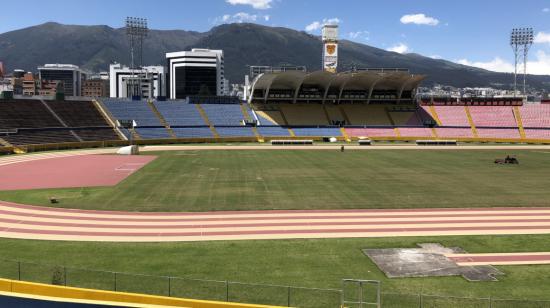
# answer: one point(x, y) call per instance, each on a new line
point(291, 104)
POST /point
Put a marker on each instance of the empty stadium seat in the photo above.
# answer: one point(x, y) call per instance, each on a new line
point(224, 114)
point(235, 131)
point(193, 132)
point(132, 110)
point(535, 115)
point(498, 133)
point(451, 115)
point(415, 132)
point(26, 113)
point(273, 131)
point(317, 131)
point(77, 113)
point(493, 116)
point(180, 113)
point(371, 132)
point(454, 132)
point(537, 133)
point(152, 132)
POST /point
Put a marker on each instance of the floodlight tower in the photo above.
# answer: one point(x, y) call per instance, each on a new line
point(521, 40)
point(136, 30)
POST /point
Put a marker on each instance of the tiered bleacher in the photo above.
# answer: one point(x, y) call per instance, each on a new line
point(193, 132)
point(226, 131)
point(493, 116)
point(139, 111)
point(224, 114)
point(28, 121)
point(535, 115)
point(33, 121)
point(317, 131)
point(180, 113)
point(273, 131)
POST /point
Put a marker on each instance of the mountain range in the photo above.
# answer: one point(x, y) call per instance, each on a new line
point(244, 44)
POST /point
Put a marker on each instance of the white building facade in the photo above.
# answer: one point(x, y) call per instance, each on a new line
point(196, 72)
point(147, 82)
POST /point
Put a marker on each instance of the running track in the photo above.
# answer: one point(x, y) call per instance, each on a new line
point(43, 223)
point(31, 222)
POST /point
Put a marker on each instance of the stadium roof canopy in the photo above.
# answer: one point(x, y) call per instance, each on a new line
point(296, 86)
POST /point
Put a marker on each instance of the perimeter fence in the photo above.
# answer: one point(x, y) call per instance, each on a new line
point(232, 291)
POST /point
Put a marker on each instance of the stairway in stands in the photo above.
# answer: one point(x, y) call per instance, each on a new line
point(108, 117)
point(161, 118)
point(517, 115)
point(290, 131)
point(5, 143)
point(435, 116)
point(207, 121)
point(471, 121)
point(392, 122)
point(60, 120)
point(248, 119)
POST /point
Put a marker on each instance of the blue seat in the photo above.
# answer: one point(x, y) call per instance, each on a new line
point(242, 131)
point(180, 113)
point(192, 132)
point(317, 131)
point(224, 114)
point(138, 111)
point(273, 131)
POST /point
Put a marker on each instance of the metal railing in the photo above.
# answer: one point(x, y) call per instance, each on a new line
point(182, 287)
point(232, 291)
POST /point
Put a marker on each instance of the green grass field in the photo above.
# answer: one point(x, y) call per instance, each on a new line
point(249, 180)
point(308, 263)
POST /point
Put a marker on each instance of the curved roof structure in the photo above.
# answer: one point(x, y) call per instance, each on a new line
point(336, 84)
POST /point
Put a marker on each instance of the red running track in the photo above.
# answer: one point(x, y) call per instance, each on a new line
point(77, 169)
point(522, 258)
point(70, 171)
point(32, 222)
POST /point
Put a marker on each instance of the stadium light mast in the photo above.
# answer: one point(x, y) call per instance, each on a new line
point(136, 30)
point(521, 40)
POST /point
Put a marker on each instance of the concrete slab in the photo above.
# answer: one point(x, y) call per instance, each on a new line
point(428, 260)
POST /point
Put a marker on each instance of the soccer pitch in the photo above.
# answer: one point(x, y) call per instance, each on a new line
point(209, 180)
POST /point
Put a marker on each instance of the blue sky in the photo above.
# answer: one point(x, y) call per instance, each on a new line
point(469, 32)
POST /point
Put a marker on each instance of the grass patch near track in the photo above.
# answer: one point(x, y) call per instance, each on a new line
point(308, 263)
point(208, 180)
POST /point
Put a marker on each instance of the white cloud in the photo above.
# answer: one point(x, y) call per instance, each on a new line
point(358, 35)
point(240, 18)
point(400, 48)
point(436, 57)
point(495, 65)
point(542, 38)
point(546, 10)
point(313, 26)
point(257, 4)
point(539, 66)
point(316, 25)
point(419, 19)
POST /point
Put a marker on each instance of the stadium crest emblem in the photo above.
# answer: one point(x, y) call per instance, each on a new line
point(331, 49)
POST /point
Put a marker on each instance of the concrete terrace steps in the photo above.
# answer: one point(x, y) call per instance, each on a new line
point(471, 121)
point(517, 116)
point(207, 121)
point(60, 120)
point(108, 117)
point(161, 118)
